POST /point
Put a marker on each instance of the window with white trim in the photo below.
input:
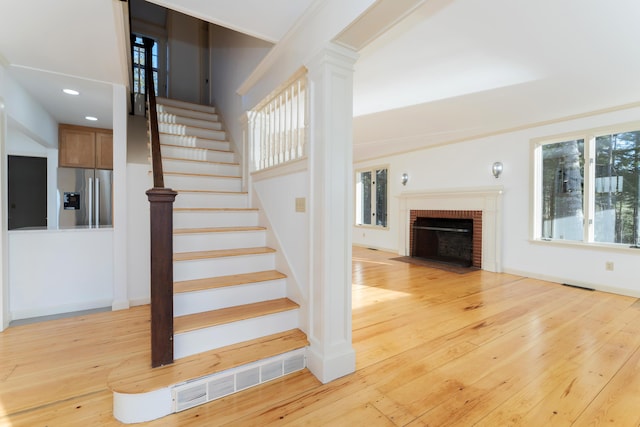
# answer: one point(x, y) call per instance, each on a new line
point(587, 187)
point(371, 197)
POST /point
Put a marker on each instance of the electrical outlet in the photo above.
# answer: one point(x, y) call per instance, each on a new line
point(608, 265)
point(301, 204)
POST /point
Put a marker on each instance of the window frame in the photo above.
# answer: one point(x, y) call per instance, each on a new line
point(589, 136)
point(357, 198)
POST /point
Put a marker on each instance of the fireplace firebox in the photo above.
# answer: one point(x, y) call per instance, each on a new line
point(446, 240)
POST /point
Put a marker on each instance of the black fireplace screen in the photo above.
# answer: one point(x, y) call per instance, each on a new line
point(448, 240)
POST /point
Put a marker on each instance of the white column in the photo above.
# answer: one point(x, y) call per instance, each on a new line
point(4, 247)
point(331, 353)
point(120, 287)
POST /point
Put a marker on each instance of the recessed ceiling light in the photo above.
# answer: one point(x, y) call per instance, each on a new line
point(71, 92)
point(91, 118)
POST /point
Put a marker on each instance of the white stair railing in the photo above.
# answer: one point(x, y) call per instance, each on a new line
point(278, 124)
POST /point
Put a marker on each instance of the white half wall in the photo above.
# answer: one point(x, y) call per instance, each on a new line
point(59, 271)
point(288, 230)
point(468, 164)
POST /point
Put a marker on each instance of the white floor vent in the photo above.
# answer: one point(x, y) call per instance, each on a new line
point(205, 389)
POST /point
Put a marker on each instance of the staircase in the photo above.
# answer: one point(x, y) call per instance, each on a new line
point(234, 326)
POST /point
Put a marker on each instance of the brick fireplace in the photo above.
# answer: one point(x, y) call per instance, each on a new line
point(474, 216)
point(483, 205)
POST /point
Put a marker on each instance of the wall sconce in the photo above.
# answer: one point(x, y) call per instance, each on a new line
point(496, 169)
point(404, 179)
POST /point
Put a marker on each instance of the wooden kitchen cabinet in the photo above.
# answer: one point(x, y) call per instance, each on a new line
point(104, 150)
point(85, 147)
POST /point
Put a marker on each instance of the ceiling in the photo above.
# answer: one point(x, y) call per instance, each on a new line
point(458, 69)
point(47, 45)
point(451, 70)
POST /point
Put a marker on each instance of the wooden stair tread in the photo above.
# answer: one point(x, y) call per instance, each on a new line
point(192, 322)
point(216, 230)
point(200, 175)
point(211, 191)
point(224, 281)
point(215, 209)
point(135, 375)
point(198, 137)
point(178, 159)
point(220, 253)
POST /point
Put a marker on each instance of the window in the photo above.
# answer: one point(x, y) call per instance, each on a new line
point(588, 187)
point(371, 197)
point(138, 65)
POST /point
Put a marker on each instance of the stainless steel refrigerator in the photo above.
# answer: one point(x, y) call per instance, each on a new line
point(85, 197)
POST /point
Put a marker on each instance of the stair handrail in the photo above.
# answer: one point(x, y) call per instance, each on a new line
point(156, 157)
point(161, 223)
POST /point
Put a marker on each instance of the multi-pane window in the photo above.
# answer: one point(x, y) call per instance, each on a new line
point(588, 188)
point(139, 85)
point(371, 197)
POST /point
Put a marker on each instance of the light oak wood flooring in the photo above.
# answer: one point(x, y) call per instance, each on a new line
point(433, 348)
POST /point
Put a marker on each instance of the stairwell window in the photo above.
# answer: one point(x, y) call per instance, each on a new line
point(139, 85)
point(278, 124)
point(371, 197)
point(588, 187)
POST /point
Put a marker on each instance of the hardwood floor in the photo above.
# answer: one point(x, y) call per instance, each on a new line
point(433, 348)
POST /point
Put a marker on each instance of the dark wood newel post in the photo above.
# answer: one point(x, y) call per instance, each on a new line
point(161, 206)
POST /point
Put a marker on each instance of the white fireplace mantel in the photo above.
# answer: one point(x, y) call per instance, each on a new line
point(485, 199)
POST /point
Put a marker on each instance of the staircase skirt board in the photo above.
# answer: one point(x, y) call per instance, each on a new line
point(205, 339)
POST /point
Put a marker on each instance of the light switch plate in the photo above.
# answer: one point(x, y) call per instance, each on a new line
point(301, 204)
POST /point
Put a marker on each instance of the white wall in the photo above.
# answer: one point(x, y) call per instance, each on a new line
point(468, 165)
point(138, 238)
point(26, 114)
point(288, 230)
point(185, 80)
point(58, 271)
point(233, 57)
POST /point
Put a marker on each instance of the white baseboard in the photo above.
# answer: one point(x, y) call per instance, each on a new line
point(59, 309)
point(139, 301)
point(561, 280)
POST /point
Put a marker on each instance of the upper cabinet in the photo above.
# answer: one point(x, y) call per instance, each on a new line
point(85, 147)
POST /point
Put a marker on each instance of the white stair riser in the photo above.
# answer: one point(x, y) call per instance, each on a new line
point(188, 113)
point(226, 169)
point(180, 182)
point(196, 219)
point(214, 200)
point(177, 129)
point(215, 299)
point(190, 343)
point(186, 105)
point(197, 154)
point(213, 241)
point(193, 141)
point(187, 121)
point(223, 266)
